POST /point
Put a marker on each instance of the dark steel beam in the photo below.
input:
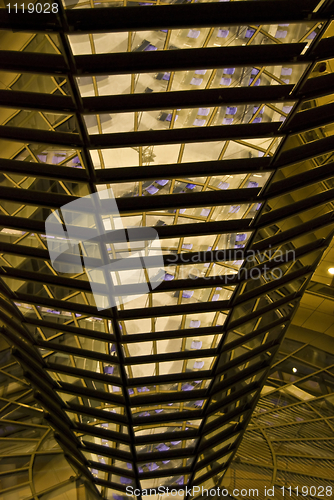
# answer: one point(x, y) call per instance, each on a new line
point(81, 332)
point(80, 373)
point(171, 17)
point(128, 314)
point(43, 170)
point(170, 356)
point(133, 382)
point(62, 305)
point(189, 59)
point(148, 62)
point(27, 135)
point(36, 101)
point(153, 312)
point(80, 390)
point(149, 137)
point(170, 378)
point(315, 87)
point(288, 235)
point(309, 119)
point(324, 49)
point(186, 99)
point(184, 135)
point(171, 334)
point(100, 414)
point(76, 351)
point(146, 102)
point(187, 16)
point(104, 450)
point(167, 436)
point(179, 170)
point(303, 152)
point(101, 432)
point(84, 286)
point(32, 62)
point(297, 207)
point(173, 259)
point(301, 180)
point(36, 198)
point(180, 230)
point(145, 203)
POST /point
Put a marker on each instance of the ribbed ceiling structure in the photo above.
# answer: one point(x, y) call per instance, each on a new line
point(213, 124)
point(289, 441)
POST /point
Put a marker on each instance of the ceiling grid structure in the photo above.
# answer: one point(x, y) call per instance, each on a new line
point(227, 162)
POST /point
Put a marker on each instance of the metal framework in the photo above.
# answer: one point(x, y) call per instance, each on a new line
point(289, 439)
point(159, 392)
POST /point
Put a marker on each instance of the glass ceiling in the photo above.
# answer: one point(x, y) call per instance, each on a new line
point(232, 167)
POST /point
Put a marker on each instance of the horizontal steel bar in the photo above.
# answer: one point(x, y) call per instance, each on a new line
point(147, 137)
point(77, 351)
point(146, 102)
point(108, 416)
point(133, 289)
point(27, 135)
point(300, 180)
point(80, 332)
point(101, 432)
point(165, 436)
point(178, 170)
point(128, 314)
point(185, 99)
point(33, 62)
point(171, 17)
point(315, 87)
point(171, 334)
point(45, 170)
point(63, 305)
point(318, 116)
point(109, 397)
point(138, 204)
point(294, 232)
point(183, 135)
point(36, 100)
point(304, 152)
point(80, 373)
point(162, 311)
point(297, 207)
point(186, 16)
point(104, 450)
point(170, 356)
point(180, 230)
point(188, 59)
point(173, 259)
point(171, 378)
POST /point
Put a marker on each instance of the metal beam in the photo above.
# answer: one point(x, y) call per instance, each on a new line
point(171, 17)
point(27, 135)
point(187, 16)
point(43, 170)
point(309, 119)
point(201, 199)
point(184, 135)
point(180, 230)
point(188, 59)
point(122, 103)
point(149, 137)
point(186, 99)
point(179, 170)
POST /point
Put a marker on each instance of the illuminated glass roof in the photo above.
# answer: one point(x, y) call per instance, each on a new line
point(218, 136)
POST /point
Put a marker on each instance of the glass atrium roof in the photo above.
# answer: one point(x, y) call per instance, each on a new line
point(213, 124)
